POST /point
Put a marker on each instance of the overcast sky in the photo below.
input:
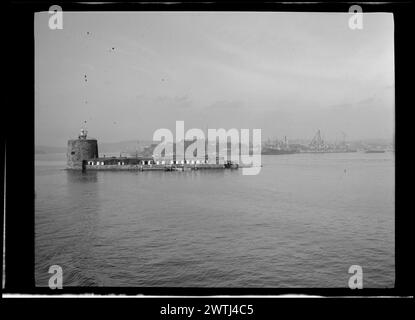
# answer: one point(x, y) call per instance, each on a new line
point(128, 74)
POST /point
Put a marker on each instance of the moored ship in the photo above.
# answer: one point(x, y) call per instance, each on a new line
point(318, 145)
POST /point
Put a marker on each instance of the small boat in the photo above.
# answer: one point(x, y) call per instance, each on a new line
point(231, 165)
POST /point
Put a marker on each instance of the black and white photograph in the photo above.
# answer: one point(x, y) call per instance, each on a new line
point(213, 150)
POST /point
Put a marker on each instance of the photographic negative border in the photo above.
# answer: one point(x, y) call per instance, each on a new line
point(19, 166)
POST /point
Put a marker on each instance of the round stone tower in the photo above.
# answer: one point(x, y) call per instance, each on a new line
point(81, 149)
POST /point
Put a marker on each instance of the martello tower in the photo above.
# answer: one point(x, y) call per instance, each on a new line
point(81, 149)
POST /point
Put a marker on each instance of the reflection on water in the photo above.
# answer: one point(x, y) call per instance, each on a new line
point(300, 223)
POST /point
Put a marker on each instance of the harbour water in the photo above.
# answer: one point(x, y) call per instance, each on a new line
point(302, 222)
